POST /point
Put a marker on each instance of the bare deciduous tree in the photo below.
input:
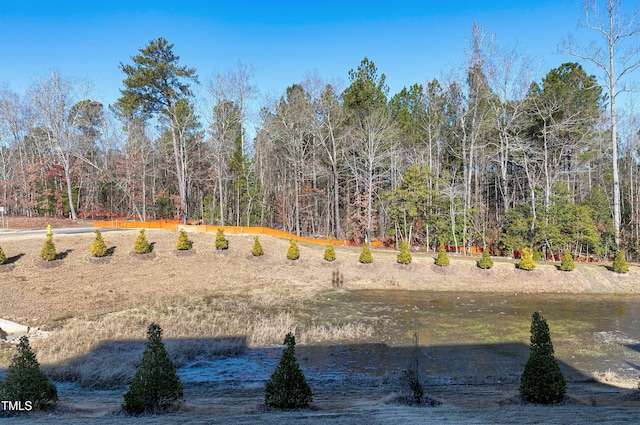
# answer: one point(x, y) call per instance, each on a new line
point(617, 54)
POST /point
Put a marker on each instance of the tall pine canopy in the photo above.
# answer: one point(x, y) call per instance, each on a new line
point(157, 85)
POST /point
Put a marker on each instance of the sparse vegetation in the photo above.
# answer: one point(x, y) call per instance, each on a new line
point(293, 253)
point(98, 247)
point(526, 261)
point(485, 262)
point(442, 259)
point(48, 252)
point(256, 251)
point(337, 279)
point(183, 244)
point(412, 373)
point(98, 353)
point(620, 263)
point(25, 381)
point(156, 386)
point(567, 263)
point(542, 380)
point(287, 388)
point(404, 257)
point(221, 242)
point(365, 255)
point(141, 245)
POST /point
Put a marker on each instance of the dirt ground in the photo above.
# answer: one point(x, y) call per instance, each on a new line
point(77, 288)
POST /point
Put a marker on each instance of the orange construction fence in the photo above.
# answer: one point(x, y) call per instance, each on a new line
point(231, 230)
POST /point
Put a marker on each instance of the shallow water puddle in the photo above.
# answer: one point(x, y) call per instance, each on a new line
point(590, 333)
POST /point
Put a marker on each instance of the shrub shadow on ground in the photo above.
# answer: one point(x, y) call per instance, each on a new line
point(228, 362)
point(62, 255)
point(223, 376)
point(14, 259)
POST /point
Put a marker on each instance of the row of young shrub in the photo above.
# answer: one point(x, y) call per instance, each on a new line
point(567, 264)
point(156, 386)
point(142, 246)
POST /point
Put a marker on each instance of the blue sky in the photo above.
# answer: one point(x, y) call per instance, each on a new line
point(409, 41)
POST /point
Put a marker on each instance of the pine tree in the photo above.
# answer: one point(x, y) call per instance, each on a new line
point(542, 380)
point(329, 251)
point(141, 246)
point(442, 259)
point(25, 381)
point(567, 263)
point(404, 257)
point(620, 264)
point(48, 252)
point(287, 388)
point(183, 244)
point(257, 248)
point(365, 255)
point(98, 247)
point(3, 258)
point(485, 262)
point(221, 242)
point(526, 261)
point(156, 385)
point(293, 253)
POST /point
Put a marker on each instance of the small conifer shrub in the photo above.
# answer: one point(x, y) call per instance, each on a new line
point(567, 263)
point(183, 244)
point(221, 242)
point(485, 262)
point(526, 261)
point(141, 246)
point(48, 252)
point(3, 258)
point(25, 382)
point(256, 251)
point(542, 380)
point(293, 253)
point(287, 388)
point(404, 257)
point(620, 264)
point(98, 247)
point(442, 259)
point(365, 255)
point(156, 386)
point(329, 251)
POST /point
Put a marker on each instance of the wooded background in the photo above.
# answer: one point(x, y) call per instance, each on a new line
point(491, 155)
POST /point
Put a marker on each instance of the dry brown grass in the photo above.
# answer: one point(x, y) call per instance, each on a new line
point(104, 352)
point(77, 288)
point(214, 303)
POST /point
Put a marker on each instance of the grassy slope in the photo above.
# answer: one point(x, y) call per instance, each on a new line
point(38, 297)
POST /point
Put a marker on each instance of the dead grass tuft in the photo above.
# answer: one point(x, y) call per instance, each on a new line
point(104, 352)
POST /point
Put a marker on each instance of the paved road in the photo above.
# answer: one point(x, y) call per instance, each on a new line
point(56, 231)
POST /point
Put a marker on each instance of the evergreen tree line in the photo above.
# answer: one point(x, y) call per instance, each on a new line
point(492, 156)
